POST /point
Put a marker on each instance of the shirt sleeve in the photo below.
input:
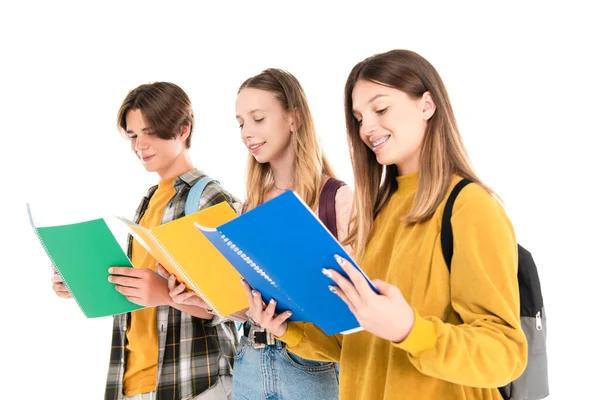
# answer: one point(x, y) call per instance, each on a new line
point(487, 348)
point(214, 194)
point(310, 342)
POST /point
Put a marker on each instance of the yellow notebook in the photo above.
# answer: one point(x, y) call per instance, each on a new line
point(192, 258)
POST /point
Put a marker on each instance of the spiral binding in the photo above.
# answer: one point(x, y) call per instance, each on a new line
point(64, 282)
point(257, 269)
point(247, 259)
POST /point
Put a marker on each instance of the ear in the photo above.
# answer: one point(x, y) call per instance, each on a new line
point(427, 106)
point(185, 132)
point(295, 120)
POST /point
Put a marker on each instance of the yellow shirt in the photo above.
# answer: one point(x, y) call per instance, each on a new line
point(466, 340)
point(142, 332)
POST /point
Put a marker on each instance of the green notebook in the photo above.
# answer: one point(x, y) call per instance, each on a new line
point(82, 253)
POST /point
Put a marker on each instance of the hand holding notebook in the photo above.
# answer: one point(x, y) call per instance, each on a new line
point(83, 252)
point(281, 248)
point(185, 253)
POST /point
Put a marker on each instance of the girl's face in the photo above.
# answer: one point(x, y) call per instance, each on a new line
point(392, 124)
point(266, 128)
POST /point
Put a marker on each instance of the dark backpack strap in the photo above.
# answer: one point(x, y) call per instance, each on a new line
point(327, 204)
point(447, 237)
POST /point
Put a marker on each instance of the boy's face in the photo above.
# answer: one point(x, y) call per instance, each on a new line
point(156, 154)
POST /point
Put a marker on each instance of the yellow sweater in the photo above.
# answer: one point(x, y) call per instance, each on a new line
point(466, 340)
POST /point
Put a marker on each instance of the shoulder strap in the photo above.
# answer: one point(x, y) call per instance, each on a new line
point(193, 198)
point(327, 204)
point(447, 237)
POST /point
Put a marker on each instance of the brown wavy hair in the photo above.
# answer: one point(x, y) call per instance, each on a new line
point(443, 153)
point(164, 106)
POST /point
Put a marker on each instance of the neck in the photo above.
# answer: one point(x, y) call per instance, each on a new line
point(411, 164)
point(180, 165)
point(283, 169)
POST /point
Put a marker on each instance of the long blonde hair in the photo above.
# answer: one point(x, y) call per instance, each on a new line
point(442, 152)
point(310, 163)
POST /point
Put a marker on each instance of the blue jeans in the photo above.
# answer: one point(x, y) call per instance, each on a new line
point(274, 373)
point(219, 391)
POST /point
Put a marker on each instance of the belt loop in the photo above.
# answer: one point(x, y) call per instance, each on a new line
point(280, 345)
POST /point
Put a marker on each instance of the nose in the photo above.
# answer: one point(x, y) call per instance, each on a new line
point(368, 126)
point(141, 143)
point(246, 133)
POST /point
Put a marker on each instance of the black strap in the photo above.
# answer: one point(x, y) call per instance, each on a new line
point(327, 212)
point(447, 238)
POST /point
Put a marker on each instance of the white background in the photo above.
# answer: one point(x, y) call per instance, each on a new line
point(523, 80)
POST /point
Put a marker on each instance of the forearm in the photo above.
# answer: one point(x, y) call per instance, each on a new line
point(194, 311)
point(239, 316)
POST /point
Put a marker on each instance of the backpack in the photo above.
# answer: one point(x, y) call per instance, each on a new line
point(327, 213)
point(533, 383)
point(193, 199)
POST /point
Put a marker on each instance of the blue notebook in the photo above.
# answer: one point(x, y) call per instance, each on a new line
point(280, 248)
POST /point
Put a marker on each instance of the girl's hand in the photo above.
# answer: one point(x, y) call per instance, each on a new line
point(264, 315)
point(386, 315)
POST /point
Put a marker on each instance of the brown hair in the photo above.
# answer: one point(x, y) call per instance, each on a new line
point(442, 152)
point(164, 106)
point(310, 162)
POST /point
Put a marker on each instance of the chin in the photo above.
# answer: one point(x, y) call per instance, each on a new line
point(261, 159)
point(385, 161)
point(149, 167)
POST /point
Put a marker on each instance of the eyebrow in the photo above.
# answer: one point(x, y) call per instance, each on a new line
point(252, 112)
point(371, 100)
point(143, 130)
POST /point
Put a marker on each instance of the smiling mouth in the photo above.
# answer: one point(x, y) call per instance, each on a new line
point(256, 146)
point(380, 141)
point(147, 158)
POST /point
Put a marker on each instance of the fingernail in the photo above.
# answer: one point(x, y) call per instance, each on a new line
point(332, 288)
point(289, 312)
point(254, 293)
point(110, 278)
point(272, 301)
point(110, 270)
point(339, 259)
point(326, 272)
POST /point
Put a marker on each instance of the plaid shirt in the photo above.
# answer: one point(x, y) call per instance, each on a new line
point(192, 352)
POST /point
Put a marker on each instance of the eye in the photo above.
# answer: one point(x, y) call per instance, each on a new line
point(382, 111)
point(259, 120)
point(131, 137)
point(241, 126)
